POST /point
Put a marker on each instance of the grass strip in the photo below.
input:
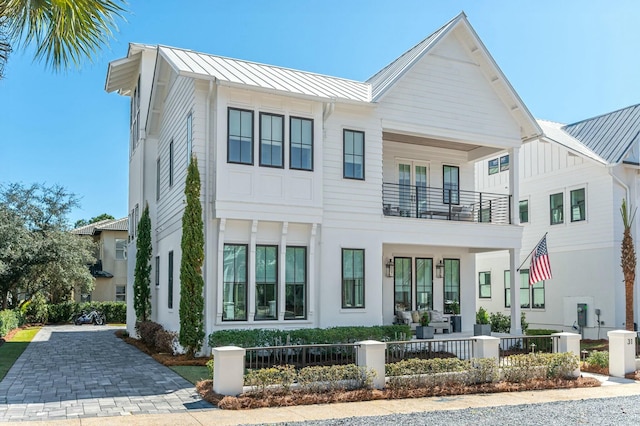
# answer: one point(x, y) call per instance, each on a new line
point(12, 349)
point(192, 373)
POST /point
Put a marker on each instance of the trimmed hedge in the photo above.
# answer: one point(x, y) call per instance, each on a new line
point(10, 320)
point(115, 312)
point(307, 336)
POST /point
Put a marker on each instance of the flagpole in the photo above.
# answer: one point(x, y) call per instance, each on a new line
point(534, 248)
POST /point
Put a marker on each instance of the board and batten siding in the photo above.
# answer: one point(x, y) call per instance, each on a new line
point(448, 96)
point(173, 127)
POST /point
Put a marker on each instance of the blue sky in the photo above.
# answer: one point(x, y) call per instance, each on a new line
point(568, 60)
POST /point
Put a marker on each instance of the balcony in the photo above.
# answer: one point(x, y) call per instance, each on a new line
point(422, 202)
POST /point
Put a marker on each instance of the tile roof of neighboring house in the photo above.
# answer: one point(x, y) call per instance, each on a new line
point(103, 225)
point(609, 136)
point(385, 78)
point(191, 63)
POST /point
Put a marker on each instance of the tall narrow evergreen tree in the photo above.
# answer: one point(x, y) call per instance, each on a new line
point(628, 263)
point(191, 282)
point(142, 274)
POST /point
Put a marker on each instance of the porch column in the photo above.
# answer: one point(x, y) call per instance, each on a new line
point(514, 275)
point(514, 184)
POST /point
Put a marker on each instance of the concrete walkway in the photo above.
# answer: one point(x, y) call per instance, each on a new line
point(86, 371)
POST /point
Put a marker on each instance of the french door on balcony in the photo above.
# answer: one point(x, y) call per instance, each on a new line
point(412, 186)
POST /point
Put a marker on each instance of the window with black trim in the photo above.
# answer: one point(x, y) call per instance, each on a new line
point(171, 163)
point(451, 282)
point(531, 296)
point(578, 210)
point(556, 208)
point(353, 149)
point(484, 285)
point(266, 282)
point(271, 140)
point(524, 211)
point(189, 137)
point(240, 136)
point(170, 281)
point(424, 283)
point(234, 283)
point(451, 179)
point(493, 166)
point(157, 179)
point(402, 283)
point(352, 278)
point(504, 163)
point(296, 283)
point(301, 143)
point(157, 271)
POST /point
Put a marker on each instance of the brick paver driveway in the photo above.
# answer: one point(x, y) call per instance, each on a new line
point(85, 371)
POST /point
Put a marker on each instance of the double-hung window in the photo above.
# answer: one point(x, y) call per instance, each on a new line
point(240, 136)
point(234, 287)
point(353, 149)
point(524, 211)
point(493, 166)
point(530, 296)
point(121, 293)
point(504, 163)
point(121, 249)
point(266, 282)
point(189, 137)
point(352, 278)
point(170, 163)
point(484, 285)
point(296, 283)
point(578, 211)
point(556, 208)
point(301, 143)
point(271, 140)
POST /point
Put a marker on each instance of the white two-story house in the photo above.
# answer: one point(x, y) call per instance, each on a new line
point(572, 182)
point(326, 201)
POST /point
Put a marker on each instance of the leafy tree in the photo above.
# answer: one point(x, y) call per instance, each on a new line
point(37, 253)
point(628, 262)
point(64, 32)
point(85, 222)
point(142, 280)
point(191, 281)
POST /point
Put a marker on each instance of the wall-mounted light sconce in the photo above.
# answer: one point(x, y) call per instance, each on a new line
point(439, 269)
point(389, 266)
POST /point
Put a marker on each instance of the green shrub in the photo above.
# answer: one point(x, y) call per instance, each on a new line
point(115, 312)
point(9, 319)
point(36, 310)
point(210, 367)
point(62, 312)
point(335, 377)
point(598, 359)
point(501, 323)
point(413, 366)
point(540, 332)
point(482, 317)
point(164, 341)
point(561, 365)
point(524, 367)
point(483, 370)
point(282, 375)
point(263, 337)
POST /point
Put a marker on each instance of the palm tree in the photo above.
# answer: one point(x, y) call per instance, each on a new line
point(628, 263)
point(64, 31)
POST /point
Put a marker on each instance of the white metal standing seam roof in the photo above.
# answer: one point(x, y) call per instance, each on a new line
point(610, 135)
point(195, 64)
point(554, 132)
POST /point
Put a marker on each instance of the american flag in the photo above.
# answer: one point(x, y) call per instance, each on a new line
point(540, 268)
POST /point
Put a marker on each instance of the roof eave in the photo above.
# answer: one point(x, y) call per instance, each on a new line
point(122, 74)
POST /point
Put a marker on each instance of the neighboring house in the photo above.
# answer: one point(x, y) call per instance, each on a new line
point(572, 183)
point(110, 269)
point(326, 201)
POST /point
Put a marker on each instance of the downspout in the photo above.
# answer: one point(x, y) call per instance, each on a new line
point(207, 166)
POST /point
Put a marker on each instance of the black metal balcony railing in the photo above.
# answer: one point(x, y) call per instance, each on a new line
point(448, 204)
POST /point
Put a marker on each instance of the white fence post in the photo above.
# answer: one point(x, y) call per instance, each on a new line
point(622, 352)
point(567, 342)
point(486, 347)
point(228, 370)
point(371, 355)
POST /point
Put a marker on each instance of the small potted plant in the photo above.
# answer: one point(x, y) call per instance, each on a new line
point(482, 327)
point(456, 320)
point(424, 330)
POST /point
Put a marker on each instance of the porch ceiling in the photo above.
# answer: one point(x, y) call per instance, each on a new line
point(418, 140)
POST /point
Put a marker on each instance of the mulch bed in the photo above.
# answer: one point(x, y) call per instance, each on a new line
point(166, 359)
point(258, 400)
